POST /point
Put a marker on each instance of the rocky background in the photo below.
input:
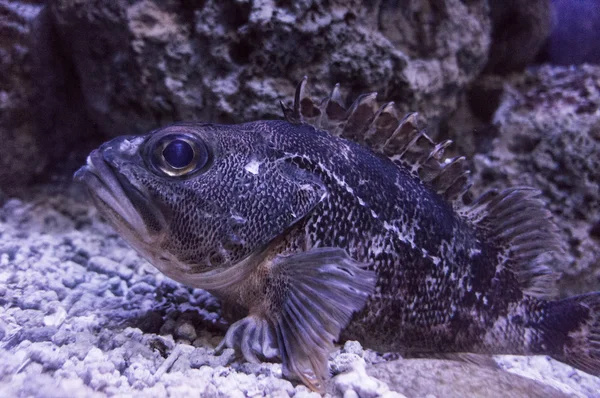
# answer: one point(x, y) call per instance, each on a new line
point(514, 83)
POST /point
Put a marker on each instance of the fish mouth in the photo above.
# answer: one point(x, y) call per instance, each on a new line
point(116, 198)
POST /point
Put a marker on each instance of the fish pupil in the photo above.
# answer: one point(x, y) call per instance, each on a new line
point(178, 154)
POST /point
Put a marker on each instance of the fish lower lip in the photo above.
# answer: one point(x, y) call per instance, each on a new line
point(79, 175)
point(97, 171)
point(109, 189)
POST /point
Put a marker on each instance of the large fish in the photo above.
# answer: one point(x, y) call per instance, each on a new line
point(342, 224)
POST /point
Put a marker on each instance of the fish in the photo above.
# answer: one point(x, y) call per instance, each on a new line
point(340, 223)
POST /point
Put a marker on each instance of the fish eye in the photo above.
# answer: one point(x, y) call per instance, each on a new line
point(178, 155)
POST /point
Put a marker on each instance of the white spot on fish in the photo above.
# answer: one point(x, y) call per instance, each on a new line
point(306, 187)
point(252, 166)
point(238, 219)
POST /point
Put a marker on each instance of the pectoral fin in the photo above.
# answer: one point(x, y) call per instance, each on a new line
point(309, 298)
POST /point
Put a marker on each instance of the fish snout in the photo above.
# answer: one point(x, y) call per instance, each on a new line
point(118, 150)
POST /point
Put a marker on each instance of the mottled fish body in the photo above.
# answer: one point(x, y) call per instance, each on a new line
point(342, 224)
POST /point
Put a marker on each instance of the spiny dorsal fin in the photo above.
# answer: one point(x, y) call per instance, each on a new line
point(381, 129)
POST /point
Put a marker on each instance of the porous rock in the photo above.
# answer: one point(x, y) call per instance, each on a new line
point(21, 152)
point(547, 135)
point(352, 380)
point(146, 63)
point(42, 116)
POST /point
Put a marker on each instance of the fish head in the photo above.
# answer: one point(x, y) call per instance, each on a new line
point(197, 199)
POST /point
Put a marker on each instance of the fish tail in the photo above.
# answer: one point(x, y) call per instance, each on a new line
point(570, 330)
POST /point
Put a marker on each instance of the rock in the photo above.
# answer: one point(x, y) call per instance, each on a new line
point(198, 358)
point(353, 347)
point(109, 267)
point(185, 330)
point(548, 137)
point(519, 31)
point(21, 154)
point(47, 354)
point(223, 359)
point(147, 63)
point(41, 112)
point(140, 373)
point(454, 379)
point(355, 381)
point(344, 362)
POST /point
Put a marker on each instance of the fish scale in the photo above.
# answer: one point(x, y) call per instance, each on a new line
point(343, 224)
